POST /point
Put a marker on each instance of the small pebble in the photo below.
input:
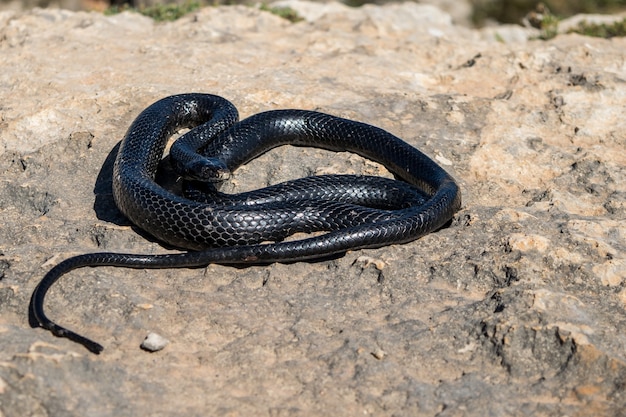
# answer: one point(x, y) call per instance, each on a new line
point(378, 354)
point(154, 342)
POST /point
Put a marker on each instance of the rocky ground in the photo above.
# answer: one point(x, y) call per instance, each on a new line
point(516, 308)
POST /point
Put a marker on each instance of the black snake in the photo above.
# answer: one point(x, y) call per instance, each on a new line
point(355, 212)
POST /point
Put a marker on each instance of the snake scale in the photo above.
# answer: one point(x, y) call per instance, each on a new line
point(354, 212)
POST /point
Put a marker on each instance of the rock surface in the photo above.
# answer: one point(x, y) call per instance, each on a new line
point(516, 308)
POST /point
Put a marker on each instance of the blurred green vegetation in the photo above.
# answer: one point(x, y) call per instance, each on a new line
point(544, 15)
point(159, 12)
point(602, 30)
point(513, 11)
point(172, 11)
point(284, 12)
point(547, 22)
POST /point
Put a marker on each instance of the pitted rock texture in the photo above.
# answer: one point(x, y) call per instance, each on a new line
point(516, 308)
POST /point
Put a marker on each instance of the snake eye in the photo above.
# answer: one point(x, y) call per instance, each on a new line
point(215, 174)
point(207, 170)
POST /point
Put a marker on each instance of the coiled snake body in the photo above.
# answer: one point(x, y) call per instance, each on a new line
point(356, 212)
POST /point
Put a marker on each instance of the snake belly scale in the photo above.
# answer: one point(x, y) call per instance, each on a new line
point(355, 212)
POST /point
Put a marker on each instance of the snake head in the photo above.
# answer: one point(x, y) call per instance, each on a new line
point(206, 170)
point(214, 171)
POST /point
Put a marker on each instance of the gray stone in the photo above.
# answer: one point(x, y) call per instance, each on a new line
point(154, 342)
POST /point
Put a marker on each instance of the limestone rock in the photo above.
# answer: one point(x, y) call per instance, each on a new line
point(519, 304)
